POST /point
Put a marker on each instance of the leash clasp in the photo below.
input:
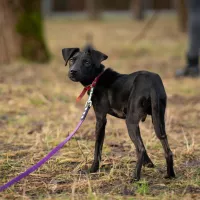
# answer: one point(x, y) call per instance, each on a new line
point(89, 101)
point(88, 104)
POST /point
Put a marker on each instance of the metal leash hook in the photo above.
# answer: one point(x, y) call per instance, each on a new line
point(88, 104)
point(89, 101)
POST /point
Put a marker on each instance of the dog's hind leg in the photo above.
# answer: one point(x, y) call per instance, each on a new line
point(132, 122)
point(147, 161)
point(158, 112)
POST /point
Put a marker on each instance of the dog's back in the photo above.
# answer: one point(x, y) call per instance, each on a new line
point(146, 79)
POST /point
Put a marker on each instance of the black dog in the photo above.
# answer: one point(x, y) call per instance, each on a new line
point(131, 97)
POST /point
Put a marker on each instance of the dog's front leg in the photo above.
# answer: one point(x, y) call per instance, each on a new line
point(100, 134)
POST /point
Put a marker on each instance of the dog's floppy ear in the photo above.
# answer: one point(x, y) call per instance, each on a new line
point(98, 57)
point(68, 53)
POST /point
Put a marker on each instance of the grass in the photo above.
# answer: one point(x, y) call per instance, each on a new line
point(38, 110)
point(142, 187)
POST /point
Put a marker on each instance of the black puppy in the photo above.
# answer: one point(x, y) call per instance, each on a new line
point(127, 96)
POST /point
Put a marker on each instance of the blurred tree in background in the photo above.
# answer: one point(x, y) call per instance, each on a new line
point(21, 31)
point(21, 23)
point(182, 14)
point(93, 8)
point(9, 40)
point(137, 9)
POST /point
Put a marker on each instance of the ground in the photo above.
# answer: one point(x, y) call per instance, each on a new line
point(38, 110)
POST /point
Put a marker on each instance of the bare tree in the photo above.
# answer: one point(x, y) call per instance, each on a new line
point(137, 9)
point(21, 31)
point(9, 38)
point(182, 14)
point(93, 8)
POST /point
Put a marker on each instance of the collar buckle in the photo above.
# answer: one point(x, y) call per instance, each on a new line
point(89, 88)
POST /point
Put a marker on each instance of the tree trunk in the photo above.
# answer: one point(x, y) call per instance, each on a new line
point(93, 8)
point(137, 9)
point(21, 31)
point(30, 28)
point(9, 38)
point(182, 14)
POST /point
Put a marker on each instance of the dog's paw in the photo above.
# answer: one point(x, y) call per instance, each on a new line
point(94, 168)
point(83, 171)
point(134, 179)
point(149, 165)
point(170, 176)
point(147, 161)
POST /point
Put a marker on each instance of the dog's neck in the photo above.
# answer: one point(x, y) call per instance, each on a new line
point(108, 77)
point(97, 72)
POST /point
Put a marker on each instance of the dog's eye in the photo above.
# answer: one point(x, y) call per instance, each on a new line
point(87, 62)
point(71, 61)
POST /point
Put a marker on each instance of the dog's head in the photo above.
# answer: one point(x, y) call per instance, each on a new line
point(84, 65)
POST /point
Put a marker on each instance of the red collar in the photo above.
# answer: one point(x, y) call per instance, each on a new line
point(88, 88)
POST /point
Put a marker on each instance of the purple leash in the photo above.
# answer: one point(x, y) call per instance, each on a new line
point(53, 151)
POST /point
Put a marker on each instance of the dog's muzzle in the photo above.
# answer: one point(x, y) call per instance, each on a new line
point(73, 75)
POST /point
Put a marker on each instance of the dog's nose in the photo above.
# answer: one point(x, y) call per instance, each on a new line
point(73, 72)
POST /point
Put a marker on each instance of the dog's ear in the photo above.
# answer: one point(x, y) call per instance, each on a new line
point(68, 53)
point(97, 56)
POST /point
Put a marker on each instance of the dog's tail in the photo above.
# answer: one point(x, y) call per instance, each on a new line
point(158, 114)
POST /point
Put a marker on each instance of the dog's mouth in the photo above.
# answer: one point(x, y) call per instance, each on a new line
point(73, 78)
point(82, 79)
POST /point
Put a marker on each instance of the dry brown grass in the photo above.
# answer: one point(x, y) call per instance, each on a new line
point(38, 110)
